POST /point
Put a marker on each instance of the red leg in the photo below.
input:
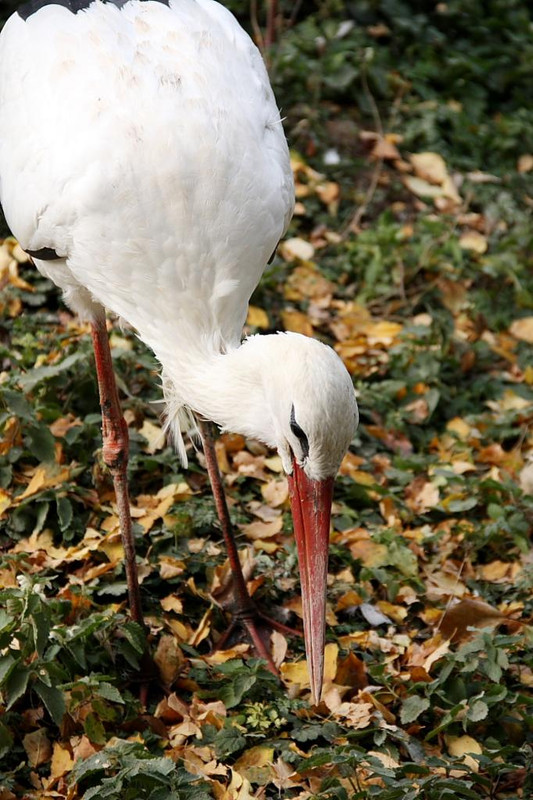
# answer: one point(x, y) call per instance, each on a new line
point(115, 452)
point(245, 611)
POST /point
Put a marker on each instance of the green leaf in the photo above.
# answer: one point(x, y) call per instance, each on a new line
point(16, 685)
point(54, 700)
point(229, 740)
point(31, 379)
point(18, 405)
point(41, 631)
point(413, 707)
point(477, 710)
point(65, 512)
point(110, 692)
point(94, 729)
point(7, 664)
point(6, 739)
point(232, 693)
point(40, 442)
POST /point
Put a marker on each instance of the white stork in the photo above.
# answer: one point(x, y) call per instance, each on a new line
point(144, 168)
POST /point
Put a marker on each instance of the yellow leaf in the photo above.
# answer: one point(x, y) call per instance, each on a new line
point(170, 567)
point(113, 548)
point(5, 500)
point(422, 188)
point(429, 166)
point(297, 322)
point(262, 530)
point(37, 746)
point(523, 329)
point(525, 163)
point(275, 492)
point(305, 281)
point(62, 761)
point(296, 249)
point(172, 603)
point(459, 427)
point(463, 745)
point(257, 318)
point(154, 436)
point(298, 674)
point(169, 659)
point(255, 765)
point(382, 332)
point(221, 656)
point(474, 241)
point(44, 477)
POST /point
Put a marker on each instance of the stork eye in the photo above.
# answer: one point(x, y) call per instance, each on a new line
point(300, 435)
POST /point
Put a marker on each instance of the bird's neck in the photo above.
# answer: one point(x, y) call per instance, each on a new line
point(226, 388)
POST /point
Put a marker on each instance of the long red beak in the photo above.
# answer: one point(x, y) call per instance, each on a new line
point(311, 514)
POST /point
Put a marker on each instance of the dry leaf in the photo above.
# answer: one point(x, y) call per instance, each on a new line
point(429, 166)
point(525, 163)
point(37, 746)
point(255, 764)
point(463, 745)
point(297, 322)
point(262, 530)
point(468, 613)
point(257, 318)
point(523, 329)
point(296, 249)
point(62, 761)
point(474, 241)
point(154, 435)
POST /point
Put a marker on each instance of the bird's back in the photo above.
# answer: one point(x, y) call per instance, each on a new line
point(142, 143)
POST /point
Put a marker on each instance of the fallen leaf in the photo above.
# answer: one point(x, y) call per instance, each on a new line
point(296, 249)
point(474, 241)
point(37, 746)
point(468, 613)
point(462, 746)
point(525, 163)
point(262, 530)
point(154, 436)
point(62, 761)
point(523, 329)
point(297, 322)
point(275, 492)
point(257, 318)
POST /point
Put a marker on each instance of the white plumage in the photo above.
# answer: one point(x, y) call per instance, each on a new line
point(141, 142)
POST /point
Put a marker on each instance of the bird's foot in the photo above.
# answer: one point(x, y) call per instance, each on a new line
point(256, 626)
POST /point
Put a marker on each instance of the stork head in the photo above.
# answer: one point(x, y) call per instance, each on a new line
point(306, 408)
point(315, 416)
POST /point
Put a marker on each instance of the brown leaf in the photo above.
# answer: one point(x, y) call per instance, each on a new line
point(297, 322)
point(421, 495)
point(62, 761)
point(463, 745)
point(468, 613)
point(37, 746)
point(474, 241)
point(257, 318)
point(262, 530)
point(296, 249)
point(351, 671)
point(169, 659)
point(275, 492)
point(523, 329)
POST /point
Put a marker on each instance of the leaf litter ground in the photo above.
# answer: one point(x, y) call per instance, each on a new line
point(413, 259)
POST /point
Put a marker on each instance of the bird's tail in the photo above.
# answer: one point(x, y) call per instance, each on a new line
point(179, 421)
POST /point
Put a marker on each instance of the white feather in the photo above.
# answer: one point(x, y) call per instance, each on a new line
point(143, 144)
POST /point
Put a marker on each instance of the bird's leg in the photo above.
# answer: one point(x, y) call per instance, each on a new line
point(115, 454)
point(245, 611)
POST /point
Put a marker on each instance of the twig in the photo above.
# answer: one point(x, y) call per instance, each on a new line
point(353, 225)
point(258, 33)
